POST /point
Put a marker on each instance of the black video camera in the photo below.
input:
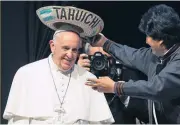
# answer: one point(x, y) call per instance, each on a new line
point(102, 65)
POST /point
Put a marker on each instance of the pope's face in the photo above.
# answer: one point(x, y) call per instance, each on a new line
point(65, 49)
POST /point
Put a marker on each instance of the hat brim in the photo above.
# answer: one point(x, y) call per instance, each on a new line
point(87, 23)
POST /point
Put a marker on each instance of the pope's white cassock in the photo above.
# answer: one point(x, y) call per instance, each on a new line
point(42, 94)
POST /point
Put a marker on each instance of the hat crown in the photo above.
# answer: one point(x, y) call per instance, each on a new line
point(71, 18)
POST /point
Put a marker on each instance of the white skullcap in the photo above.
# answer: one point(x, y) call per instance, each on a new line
point(66, 27)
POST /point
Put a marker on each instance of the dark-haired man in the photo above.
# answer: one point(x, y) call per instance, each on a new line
point(160, 62)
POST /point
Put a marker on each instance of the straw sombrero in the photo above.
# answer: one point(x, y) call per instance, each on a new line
point(86, 23)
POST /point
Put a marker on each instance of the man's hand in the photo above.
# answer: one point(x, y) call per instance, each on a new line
point(97, 40)
point(103, 84)
point(84, 61)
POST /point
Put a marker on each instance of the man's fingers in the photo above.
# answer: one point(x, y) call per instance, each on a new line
point(88, 69)
point(82, 56)
point(94, 85)
point(86, 65)
point(101, 77)
point(104, 77)
point(86, 61)
point(100, 89)
point(95, 88)
point(92, 80)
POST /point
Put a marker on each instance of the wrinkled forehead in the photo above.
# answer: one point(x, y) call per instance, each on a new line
point(57, 32)
point(67, 38)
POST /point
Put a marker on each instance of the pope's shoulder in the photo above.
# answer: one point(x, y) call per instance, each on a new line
point(84, 72)
point(36, 66)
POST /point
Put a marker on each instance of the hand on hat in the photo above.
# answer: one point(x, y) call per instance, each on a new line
point(97, 40)
point(84, 61)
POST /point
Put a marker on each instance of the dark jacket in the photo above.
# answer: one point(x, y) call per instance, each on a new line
point(163, 85)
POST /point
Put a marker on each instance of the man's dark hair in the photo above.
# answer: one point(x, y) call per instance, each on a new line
point(161, 22)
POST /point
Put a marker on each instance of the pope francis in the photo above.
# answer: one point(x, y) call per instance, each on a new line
point(53, 90)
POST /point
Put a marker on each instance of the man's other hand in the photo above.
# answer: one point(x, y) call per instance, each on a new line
point(103, 84)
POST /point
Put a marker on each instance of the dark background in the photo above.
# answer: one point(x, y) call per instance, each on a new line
point(25, 38)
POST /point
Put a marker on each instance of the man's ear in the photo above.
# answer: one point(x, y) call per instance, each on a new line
point(161, 43)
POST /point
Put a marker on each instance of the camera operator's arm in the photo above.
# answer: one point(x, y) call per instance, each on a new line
point(162, 87)
point(131, 57)
point(84, 62)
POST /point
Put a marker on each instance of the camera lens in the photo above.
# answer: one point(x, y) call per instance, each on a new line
point(99, 64)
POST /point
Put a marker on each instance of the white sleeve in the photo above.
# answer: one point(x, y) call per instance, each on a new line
point(18, 120)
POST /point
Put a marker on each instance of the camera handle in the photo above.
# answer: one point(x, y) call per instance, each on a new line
point(119, 74)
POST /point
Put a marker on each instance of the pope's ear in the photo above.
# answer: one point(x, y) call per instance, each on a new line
point(50, 41)
point(52, 47)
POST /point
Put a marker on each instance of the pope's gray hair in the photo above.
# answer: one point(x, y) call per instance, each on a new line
point(59, 31)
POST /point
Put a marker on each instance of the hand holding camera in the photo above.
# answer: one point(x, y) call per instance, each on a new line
point(101, 65)
point(84, 61)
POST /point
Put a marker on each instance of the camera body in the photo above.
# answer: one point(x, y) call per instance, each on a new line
point(102, 65)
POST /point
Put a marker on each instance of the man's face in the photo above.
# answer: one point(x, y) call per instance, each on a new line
point(157, 48)
point(65, 49)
